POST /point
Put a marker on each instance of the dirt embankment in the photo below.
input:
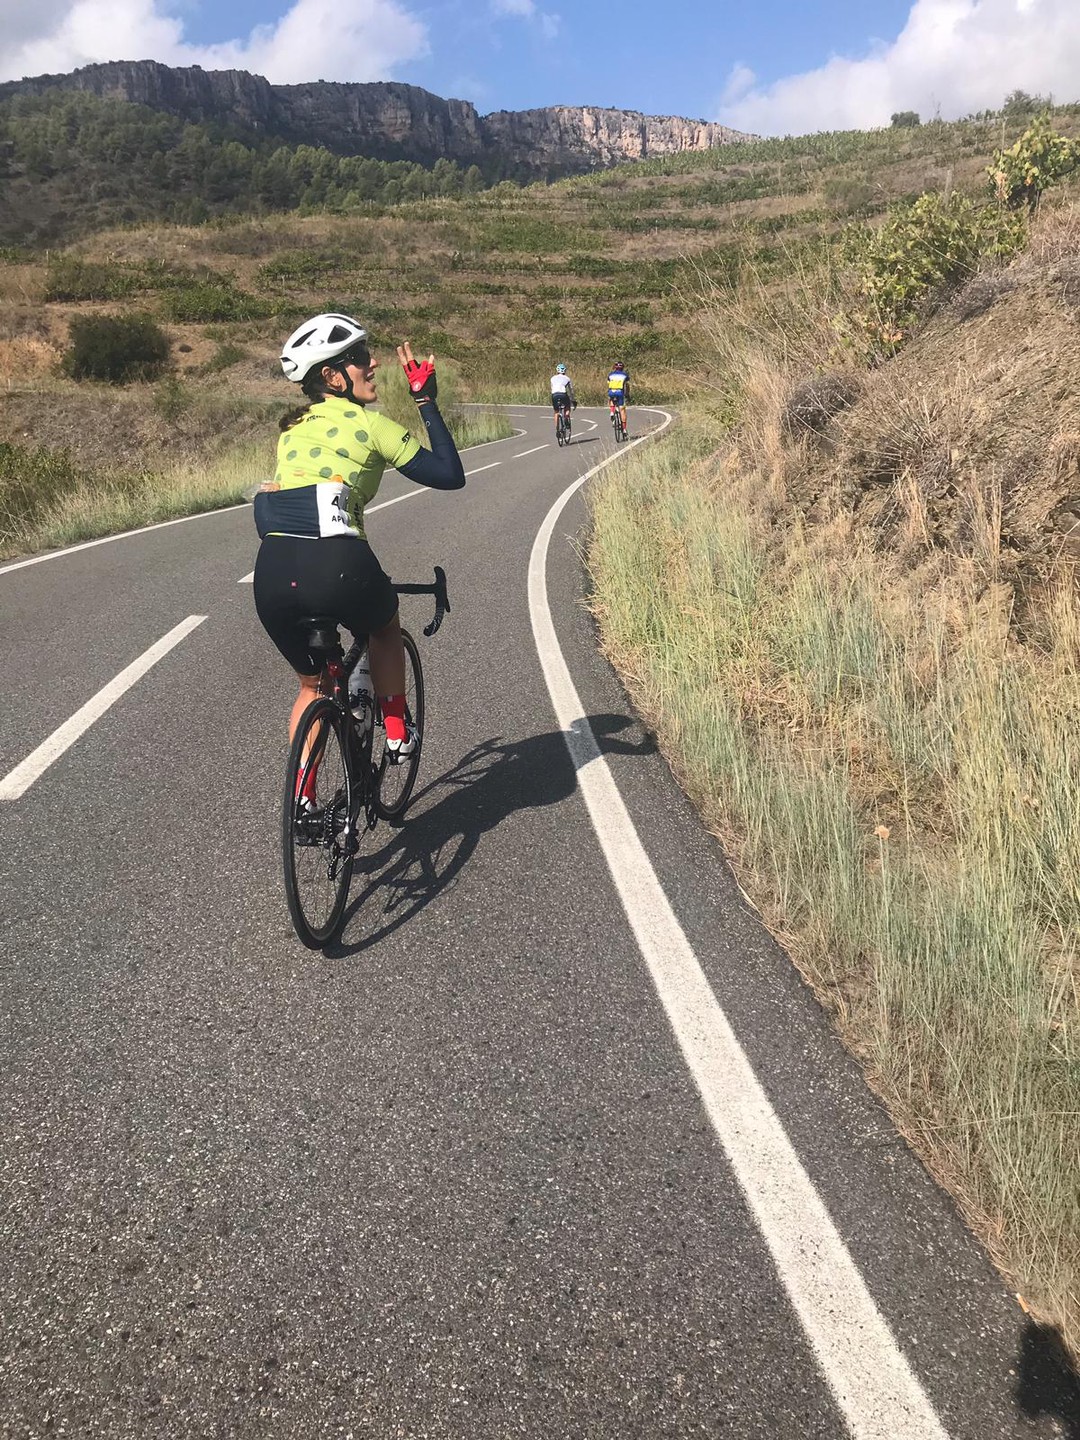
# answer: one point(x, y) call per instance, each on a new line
point(968, 442)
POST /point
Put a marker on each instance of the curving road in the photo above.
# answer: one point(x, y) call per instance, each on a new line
point(553, 1144)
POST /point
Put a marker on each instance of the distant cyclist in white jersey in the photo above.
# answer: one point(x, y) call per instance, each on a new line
point(562, 392)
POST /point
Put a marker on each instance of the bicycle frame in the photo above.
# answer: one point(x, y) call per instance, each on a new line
point(333, 683)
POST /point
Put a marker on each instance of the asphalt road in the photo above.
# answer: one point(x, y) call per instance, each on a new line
point(554, 1143)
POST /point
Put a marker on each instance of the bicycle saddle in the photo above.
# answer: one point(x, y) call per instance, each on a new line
point(321, 633)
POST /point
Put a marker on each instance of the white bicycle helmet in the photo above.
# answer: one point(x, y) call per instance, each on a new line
point(319, 341)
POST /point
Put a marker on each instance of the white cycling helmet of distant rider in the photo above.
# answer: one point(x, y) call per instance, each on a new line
point(560, 369)
point(319, 341)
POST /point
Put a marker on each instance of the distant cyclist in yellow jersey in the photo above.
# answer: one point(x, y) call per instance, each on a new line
point(618, 387)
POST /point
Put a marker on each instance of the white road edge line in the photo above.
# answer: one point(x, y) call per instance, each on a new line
point(874, 1386)
point(19, 780)
point(202, 515)
point(108, 539)
point(522, 453)
point(492, 466)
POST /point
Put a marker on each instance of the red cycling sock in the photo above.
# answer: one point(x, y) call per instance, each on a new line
point(393, 709)
point(307, 790)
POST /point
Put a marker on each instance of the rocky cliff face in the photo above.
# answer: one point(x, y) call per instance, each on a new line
point(392, 121)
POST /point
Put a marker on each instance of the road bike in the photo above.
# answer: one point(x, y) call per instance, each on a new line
point(562, 427)
point(617, 422)
point(340, 778)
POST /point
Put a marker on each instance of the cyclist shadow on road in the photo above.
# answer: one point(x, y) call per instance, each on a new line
point(493, 780)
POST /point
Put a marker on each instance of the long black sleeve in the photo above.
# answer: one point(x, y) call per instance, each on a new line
point(440, 468)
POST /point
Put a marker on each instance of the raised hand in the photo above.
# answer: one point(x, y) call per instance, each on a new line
point(419, 373)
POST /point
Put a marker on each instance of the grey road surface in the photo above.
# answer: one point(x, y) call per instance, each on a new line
point(452, 1178)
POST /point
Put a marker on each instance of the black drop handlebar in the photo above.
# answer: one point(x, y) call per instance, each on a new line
point(438, 590)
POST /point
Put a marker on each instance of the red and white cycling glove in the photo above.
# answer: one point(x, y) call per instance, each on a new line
point(421, 377)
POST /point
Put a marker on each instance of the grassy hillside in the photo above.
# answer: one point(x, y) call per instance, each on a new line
point(506, 281)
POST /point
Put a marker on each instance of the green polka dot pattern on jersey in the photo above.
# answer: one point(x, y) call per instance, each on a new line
point(343, 453)
point(292, 454)
point(362, 436)
point(354, 476)
point(350, 415)
point(332, 431)
point(326, 472)
point(315, 452)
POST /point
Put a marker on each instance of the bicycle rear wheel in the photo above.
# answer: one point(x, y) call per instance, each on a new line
point(318, 839)
point(394, 782)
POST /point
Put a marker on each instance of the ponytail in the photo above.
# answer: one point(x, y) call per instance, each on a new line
point(315, 388)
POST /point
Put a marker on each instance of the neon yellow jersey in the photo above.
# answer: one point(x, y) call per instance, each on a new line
point(329, 466)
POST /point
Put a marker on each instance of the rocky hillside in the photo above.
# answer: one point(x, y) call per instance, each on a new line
point(390, 121)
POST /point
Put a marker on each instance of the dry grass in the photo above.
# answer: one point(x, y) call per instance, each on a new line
point(876, 702)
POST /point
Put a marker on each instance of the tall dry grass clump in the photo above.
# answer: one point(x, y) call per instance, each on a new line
point(858, 637)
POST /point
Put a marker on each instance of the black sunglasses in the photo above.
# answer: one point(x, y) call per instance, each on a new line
point(358, 355)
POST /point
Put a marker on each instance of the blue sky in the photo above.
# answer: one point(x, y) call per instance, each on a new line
point(771, 66)
point(663, 59)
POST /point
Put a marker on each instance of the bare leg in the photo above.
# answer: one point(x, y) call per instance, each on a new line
point(309, 689)
point(387, 656)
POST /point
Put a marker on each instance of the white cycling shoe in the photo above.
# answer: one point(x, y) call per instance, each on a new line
point(398, 750)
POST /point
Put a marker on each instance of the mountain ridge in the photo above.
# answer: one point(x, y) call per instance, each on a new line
point(391, 120)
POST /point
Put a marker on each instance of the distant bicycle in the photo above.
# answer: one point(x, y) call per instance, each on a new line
point(562, 427)
point(617, 423)
point(340, 779)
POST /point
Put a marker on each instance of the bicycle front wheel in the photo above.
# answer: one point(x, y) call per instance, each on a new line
point(318, 829)
point(395, 781)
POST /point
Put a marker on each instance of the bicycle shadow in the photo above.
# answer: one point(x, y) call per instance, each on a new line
point(492, 781)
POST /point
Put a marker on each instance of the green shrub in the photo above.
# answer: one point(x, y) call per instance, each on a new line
point(115, 348)
point(905, 120)
point(224, 356)
point(69, 278)
point(848, 194)
point(923, 250)
point(32, 481)
point(214, 300)
point(1040, 158)
point(171, 399)
point(1018, 104)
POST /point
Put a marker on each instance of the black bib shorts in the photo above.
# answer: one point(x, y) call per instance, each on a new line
point(339, 576)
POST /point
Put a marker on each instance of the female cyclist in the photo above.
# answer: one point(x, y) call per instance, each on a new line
point(314, 558)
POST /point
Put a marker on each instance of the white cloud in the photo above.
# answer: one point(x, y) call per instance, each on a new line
point(314, 40)
point(546, 23)
point(952, 57)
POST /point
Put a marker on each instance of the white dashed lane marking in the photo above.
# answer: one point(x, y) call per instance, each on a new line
point(19, 780)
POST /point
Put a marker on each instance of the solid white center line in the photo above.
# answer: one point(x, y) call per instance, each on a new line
point(522, 453)
point(19, 780)
point(875, 1387)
